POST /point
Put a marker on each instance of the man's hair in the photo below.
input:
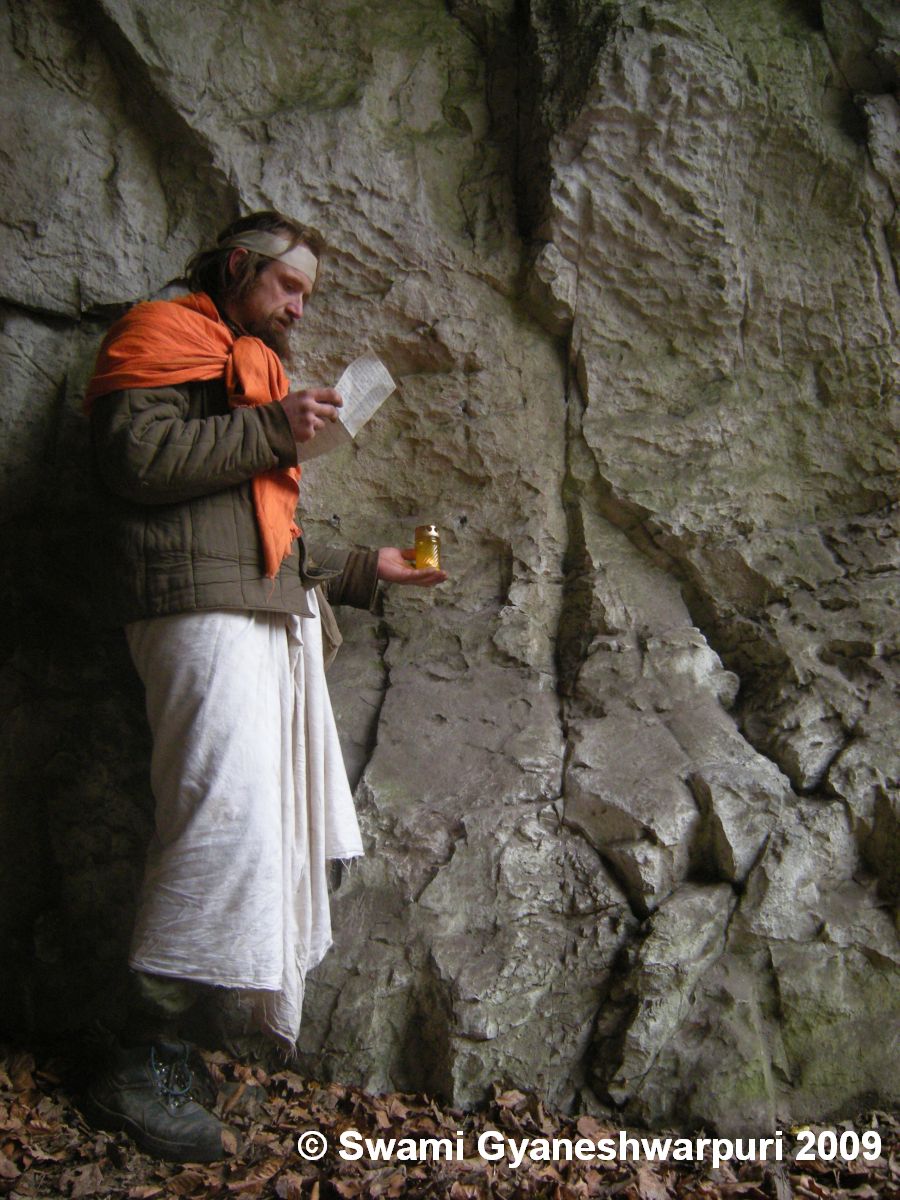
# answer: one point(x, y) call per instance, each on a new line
point(208, 271)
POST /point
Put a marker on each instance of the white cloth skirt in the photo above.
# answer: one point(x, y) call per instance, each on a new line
point(251, 800)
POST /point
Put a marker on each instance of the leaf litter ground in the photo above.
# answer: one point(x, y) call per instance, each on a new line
point(48, 1151)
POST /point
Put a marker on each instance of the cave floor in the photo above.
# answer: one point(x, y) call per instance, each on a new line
point(48, 1150)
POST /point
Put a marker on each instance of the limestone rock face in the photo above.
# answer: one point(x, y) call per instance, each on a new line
point(627, 781)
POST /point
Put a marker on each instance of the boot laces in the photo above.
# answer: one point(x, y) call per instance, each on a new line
point(174, 1079)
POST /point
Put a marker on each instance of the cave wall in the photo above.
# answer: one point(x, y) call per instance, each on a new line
point(627, 781)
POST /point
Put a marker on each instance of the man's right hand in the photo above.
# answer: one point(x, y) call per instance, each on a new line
point(307, 411)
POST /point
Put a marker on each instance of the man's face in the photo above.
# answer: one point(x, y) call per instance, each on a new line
point(273, 304)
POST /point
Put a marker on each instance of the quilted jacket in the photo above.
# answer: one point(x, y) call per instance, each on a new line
point(178, 530)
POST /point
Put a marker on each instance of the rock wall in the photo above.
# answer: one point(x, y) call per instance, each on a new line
point(628, 780)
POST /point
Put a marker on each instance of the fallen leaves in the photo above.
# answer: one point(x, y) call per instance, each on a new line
point(46, 1149)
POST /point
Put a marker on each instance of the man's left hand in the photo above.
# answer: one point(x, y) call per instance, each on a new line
point(394, 566)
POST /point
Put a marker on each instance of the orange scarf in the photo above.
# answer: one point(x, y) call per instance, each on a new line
point(164, 342)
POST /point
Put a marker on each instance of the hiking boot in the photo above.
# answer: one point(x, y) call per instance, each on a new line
point(146, 1091)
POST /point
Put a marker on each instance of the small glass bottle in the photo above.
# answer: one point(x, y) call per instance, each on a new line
point(428, 547)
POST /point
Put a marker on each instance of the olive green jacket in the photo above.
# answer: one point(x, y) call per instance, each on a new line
point(178, 529)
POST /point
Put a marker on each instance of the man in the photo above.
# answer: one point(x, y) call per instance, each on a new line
point(197, 438)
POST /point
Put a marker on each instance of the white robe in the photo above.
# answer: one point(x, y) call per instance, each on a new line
point(251, 800)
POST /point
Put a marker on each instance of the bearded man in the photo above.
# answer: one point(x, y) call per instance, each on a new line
point(197, 438)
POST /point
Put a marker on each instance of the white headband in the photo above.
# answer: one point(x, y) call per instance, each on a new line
point(277, 246)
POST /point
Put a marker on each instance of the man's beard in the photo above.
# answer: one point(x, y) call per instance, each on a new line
point(274, 335)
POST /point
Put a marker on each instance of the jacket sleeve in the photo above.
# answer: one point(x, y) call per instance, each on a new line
point(357, 581)
point(150, 452)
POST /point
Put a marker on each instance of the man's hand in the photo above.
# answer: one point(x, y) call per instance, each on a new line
point(307, 411)
point(394, 567)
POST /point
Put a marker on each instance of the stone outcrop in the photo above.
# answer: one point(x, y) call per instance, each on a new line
point(628, 780)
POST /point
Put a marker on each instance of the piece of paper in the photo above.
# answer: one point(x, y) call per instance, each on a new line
point(363, 387)
point(330, 437)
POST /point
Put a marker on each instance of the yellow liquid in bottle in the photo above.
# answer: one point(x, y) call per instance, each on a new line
point(428, 547)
